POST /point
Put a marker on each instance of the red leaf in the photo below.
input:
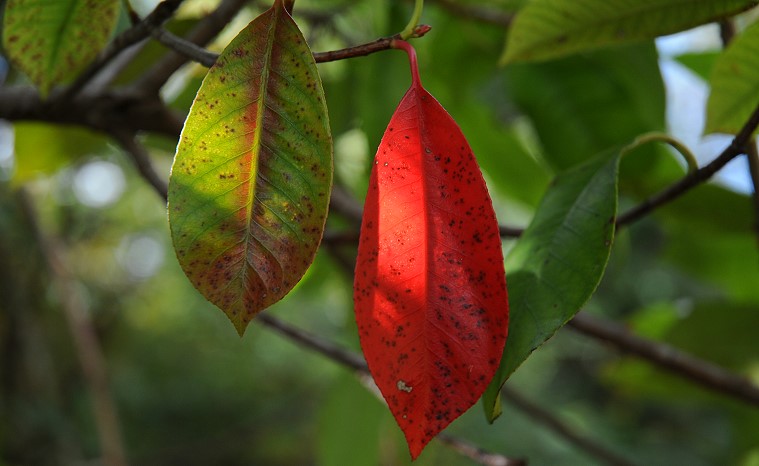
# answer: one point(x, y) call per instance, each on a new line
point(430, 290)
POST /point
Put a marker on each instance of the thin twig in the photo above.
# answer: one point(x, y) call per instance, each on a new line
point(726, 31)
point(667, 357)
point(752, 154)
point(369, 48)
point(185, 47)
point(88, 349)
point(737, 147)
point(206, 29)
point(346, 205)
point(357, 363)
point(324, 347)
point(547, 419)
point(162, 12)
point(141, 159)
point(207, 58)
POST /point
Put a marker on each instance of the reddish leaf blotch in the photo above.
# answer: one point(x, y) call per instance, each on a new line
point(430, 289)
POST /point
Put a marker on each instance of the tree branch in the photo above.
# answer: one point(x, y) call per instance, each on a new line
point(88, 349)
point(752, 154)
point(208, 28)
point(736, 148)
point(185, 47)
point(103, 112)
point(141, 160)
point(208, 58)
point(554, 424)
point(669, 358)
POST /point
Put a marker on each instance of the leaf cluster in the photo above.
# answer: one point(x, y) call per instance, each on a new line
point(557, 131)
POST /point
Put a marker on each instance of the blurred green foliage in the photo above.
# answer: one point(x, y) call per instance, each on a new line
point(190, 392)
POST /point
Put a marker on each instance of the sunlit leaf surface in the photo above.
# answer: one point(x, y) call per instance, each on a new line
point(252, 175)
point(429, 291)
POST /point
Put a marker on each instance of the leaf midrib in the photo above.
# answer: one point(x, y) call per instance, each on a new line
point(256, 145)
point(60, 32)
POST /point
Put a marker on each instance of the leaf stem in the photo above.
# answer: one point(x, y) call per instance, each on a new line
point(408, 31)
point(676, 144)
point(409, 49)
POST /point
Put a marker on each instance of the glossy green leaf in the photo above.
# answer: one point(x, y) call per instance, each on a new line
point(558, 262)
point(43, 148)
point(51, 40)
point(546, 29)
point(734, 84)
point(583, 105)
point(250, 184)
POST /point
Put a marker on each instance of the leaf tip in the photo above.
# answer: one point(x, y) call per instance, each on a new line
point(494, 412)
point(240, 325)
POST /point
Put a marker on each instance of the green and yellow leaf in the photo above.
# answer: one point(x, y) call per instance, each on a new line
point(251, 180)
point(52, 40)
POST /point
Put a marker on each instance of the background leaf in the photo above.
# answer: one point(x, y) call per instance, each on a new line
point(43, 148)
point(546, 29)
point(558, 262)
point(700, 63)
point(582, 105)
point(734, 84)
point(51, 40)
point(250, 184)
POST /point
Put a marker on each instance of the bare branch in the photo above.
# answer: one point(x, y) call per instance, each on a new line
point(726, 31)
point(104, 111)
point(736, 148)
point(162, 12)
point(569, 434)
point(185, 47)
point(346, 205)
point(669, 358)
point(208, 58)
point(326, 348)
point(752, 154)
point(141, 159)
point(88, 349)
point(366, 49)
point(208, 28)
